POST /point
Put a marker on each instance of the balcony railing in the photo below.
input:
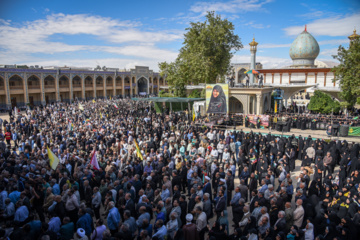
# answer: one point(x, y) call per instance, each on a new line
point(89, 85)
point(16, 87)
point(63, 86)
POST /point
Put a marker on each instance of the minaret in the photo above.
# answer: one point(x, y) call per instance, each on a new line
point(253, 47)
point(353, 36)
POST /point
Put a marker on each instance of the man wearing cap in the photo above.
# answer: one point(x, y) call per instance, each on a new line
point(80, 234)
point(190, 229)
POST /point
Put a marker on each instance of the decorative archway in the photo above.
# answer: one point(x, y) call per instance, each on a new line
point(2, 95)
point(33, 82)
point(16, 86)
point(142, 86)
point(50, 91)
point(34, 90)
point(235, 106)
point(241, 75)
point(76, 82)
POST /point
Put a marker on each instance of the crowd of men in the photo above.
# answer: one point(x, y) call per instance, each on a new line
point(163, 177)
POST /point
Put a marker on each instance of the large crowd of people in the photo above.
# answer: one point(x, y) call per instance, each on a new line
point(163, 177)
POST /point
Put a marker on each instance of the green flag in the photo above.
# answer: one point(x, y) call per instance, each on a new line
point(354, 131)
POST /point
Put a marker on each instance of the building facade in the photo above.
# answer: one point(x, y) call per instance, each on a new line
point(19, 86)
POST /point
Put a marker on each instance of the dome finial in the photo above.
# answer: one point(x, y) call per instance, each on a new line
point(305, 28)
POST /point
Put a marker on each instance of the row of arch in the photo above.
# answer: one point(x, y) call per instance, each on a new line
point(123, 86)
point(16, 82)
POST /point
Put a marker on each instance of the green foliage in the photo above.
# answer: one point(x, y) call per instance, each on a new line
point(162, 93)
point(348, 72)
point(323, 103)
point(195, 94)
point(205, 56)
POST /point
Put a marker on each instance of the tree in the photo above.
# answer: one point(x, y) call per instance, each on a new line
point(348, 72)
point(205, 56)
point(322, 103)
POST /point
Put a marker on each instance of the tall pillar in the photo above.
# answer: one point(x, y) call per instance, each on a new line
point(280, 78)
point(114, 85)
point(7, 91)
point(71, 88)
point(123, 87)
point(83, 86)
point(258, 104)
point(289, 78)
point(306, 76)
point(104, 85)
point(131, 93)
point(315, 78)
point(264, 78)
point(158, 85)
point(26, 94)
point(57, 88)
point(94, 86)
point(253, 47)
point(148, 86)
point(325, 79)
point(272, 78)
point(43, 101)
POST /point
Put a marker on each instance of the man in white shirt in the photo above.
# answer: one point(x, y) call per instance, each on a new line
point(214, 154)
point(210, 136)
point(201, 222)
point(220, 148)
point(226, 156)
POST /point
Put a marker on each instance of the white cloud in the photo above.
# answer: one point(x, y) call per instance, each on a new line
point(256, 25)
point(32, 37)
point(108, 62)
point(267, 62)
point(331, 26)
point(149, 52)
point(334, 42)
point(233, 6)
point(329, 52)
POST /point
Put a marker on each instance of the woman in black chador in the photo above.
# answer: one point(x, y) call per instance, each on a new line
point(217, 102)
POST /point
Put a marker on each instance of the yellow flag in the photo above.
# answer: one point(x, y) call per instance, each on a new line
point(138, 150)
point(81, 107)
point(275, 108)
point(100, 115)
point(93, 101)
point(54, 160)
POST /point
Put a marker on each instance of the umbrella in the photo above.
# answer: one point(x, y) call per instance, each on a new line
point(252, 71)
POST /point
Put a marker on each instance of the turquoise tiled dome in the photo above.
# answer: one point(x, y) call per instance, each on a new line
point(304, 49)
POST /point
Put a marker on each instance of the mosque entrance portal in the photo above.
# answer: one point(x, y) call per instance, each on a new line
point(142, 86)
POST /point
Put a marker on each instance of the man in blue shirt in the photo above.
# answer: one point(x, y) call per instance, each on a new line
point(54, 223)
point(160, 230)
point(189, 178)
point(22, 212)
point(113, 218)
point(14, 195)
point(143, 215)
point(159, 214)
point(165, 193)
point(55, 187)
point(235, 200)
point(85, 222)
point(237, 148)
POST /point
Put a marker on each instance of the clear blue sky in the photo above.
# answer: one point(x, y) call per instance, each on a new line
point(127, 33)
